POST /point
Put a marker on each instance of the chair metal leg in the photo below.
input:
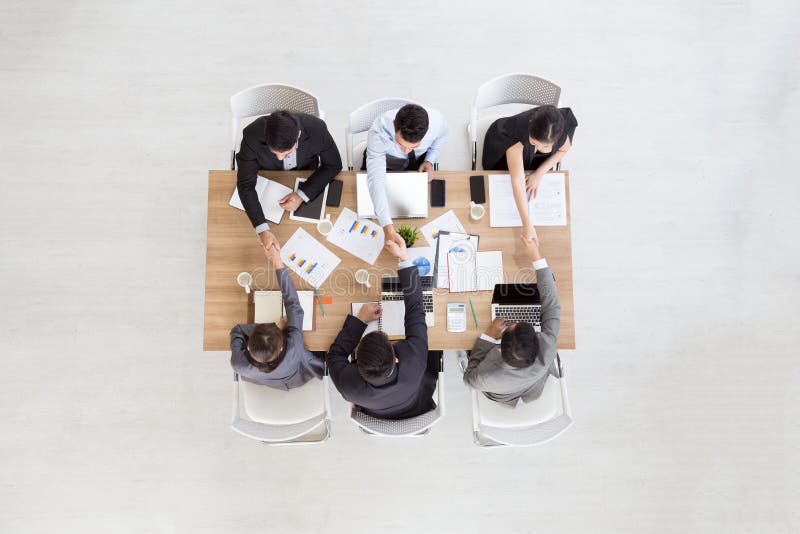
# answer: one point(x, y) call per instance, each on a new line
point(233, 160)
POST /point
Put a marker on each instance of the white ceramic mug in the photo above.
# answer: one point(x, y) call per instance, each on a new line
point(245, 280)
point(362, 277)
point(325, 225)
point(476, 211)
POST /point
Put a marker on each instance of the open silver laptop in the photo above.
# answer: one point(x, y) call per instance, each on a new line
point(392, 290)
point(406, 193)
point(519, 303)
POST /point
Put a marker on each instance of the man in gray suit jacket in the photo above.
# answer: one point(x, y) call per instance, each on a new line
point(274, 355)
point(513, 361)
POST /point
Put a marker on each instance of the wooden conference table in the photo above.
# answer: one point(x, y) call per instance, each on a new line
point(233, 247)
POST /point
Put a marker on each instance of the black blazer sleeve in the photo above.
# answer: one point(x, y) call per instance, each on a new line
point(247, 176)
point(416, 328)
point(329, 159)
point(344, 374)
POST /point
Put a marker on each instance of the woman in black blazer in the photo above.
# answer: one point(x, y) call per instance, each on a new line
point(534, 140)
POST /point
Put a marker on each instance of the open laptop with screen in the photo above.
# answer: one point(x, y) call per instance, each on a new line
point(406, 193)
point(518, 303)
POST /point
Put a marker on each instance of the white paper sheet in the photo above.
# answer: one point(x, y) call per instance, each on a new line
point(360, 237)
point(393, 318)
point(447, 221)
point(463, 244)
point(309, 258)
point(479, 275)
point(269, 193)
point(549, 208)
point(423, 258)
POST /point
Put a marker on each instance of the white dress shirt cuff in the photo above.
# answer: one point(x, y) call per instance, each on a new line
point(490, 339)
point(302, 195)
point(404, 264)
point(541, 263)
point(263, 227)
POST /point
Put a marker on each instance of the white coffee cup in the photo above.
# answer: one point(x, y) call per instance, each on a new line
point(362, 277)
point(476, 211)
point(325, 225)
point(245, 280)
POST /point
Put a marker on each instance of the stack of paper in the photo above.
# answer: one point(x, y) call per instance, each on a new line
point(269, 193)
point(549, 208)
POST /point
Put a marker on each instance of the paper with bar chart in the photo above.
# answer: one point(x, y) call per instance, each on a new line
point(360, 237)
point(308, 258)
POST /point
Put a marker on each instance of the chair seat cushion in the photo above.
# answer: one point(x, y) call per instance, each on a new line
point(264, 404)
point(548, 406)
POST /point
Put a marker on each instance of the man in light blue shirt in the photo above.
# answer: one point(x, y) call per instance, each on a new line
point(410, 138)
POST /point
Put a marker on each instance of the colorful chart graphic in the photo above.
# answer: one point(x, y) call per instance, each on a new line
point(305, 265)
point(363, 229)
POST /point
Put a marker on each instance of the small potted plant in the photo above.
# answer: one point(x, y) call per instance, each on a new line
point(409, 235)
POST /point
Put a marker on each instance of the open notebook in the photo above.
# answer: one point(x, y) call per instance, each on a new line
point(269, 193)
point(392, 321)
point(269, 307)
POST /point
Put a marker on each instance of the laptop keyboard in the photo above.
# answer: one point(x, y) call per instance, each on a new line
point(427, 299)
point(520, 314)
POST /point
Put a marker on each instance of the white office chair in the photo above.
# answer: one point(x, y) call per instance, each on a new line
point(274, 416)
point(360, 121)
point(411, 427)
point(532, 423)
point(506, 89)
point(263, 100)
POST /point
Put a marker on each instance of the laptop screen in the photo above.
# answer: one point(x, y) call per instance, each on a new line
point(516, 294)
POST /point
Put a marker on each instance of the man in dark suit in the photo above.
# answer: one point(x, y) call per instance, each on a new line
point(285, 141)
point(387, 380)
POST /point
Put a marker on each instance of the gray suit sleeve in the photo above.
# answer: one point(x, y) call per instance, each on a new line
point(472, 376)
point(551, 307)
point(294, 312)
point(239, 336)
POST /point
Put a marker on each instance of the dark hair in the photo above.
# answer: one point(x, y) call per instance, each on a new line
point(412, 122)
point(280, 130)
point(263, 345)
point(546, 124)
point(374, 356)
point(519, 346)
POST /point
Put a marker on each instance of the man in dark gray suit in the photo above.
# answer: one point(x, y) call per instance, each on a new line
point(513, 361)
point(274, 355)
point(388, 380)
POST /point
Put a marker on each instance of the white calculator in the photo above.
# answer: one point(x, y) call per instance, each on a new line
point(456, 317)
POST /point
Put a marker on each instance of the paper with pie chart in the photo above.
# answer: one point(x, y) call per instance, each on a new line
point(308, 258)
point(456, 247)
point(423, 258)
point(360, 237)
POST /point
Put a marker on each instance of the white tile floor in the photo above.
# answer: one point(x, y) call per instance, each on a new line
point(685, 381)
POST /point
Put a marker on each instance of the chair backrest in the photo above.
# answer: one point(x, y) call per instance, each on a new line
point(413, 426)
point(517, 88)
point(277, 416)
point(267, 98)
point(526, 424)
point(362, 118)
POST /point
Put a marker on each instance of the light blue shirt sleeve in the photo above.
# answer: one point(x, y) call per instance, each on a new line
point(379, 142)
point(437, 129)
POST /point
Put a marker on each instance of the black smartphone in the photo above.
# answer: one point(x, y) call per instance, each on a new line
point(477, 191)
point(437, 193)
point(334, 194)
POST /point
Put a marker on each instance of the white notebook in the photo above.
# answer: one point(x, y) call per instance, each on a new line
point(392, 321)
point(269, 307)
point(479, 275)
point(269, 193)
